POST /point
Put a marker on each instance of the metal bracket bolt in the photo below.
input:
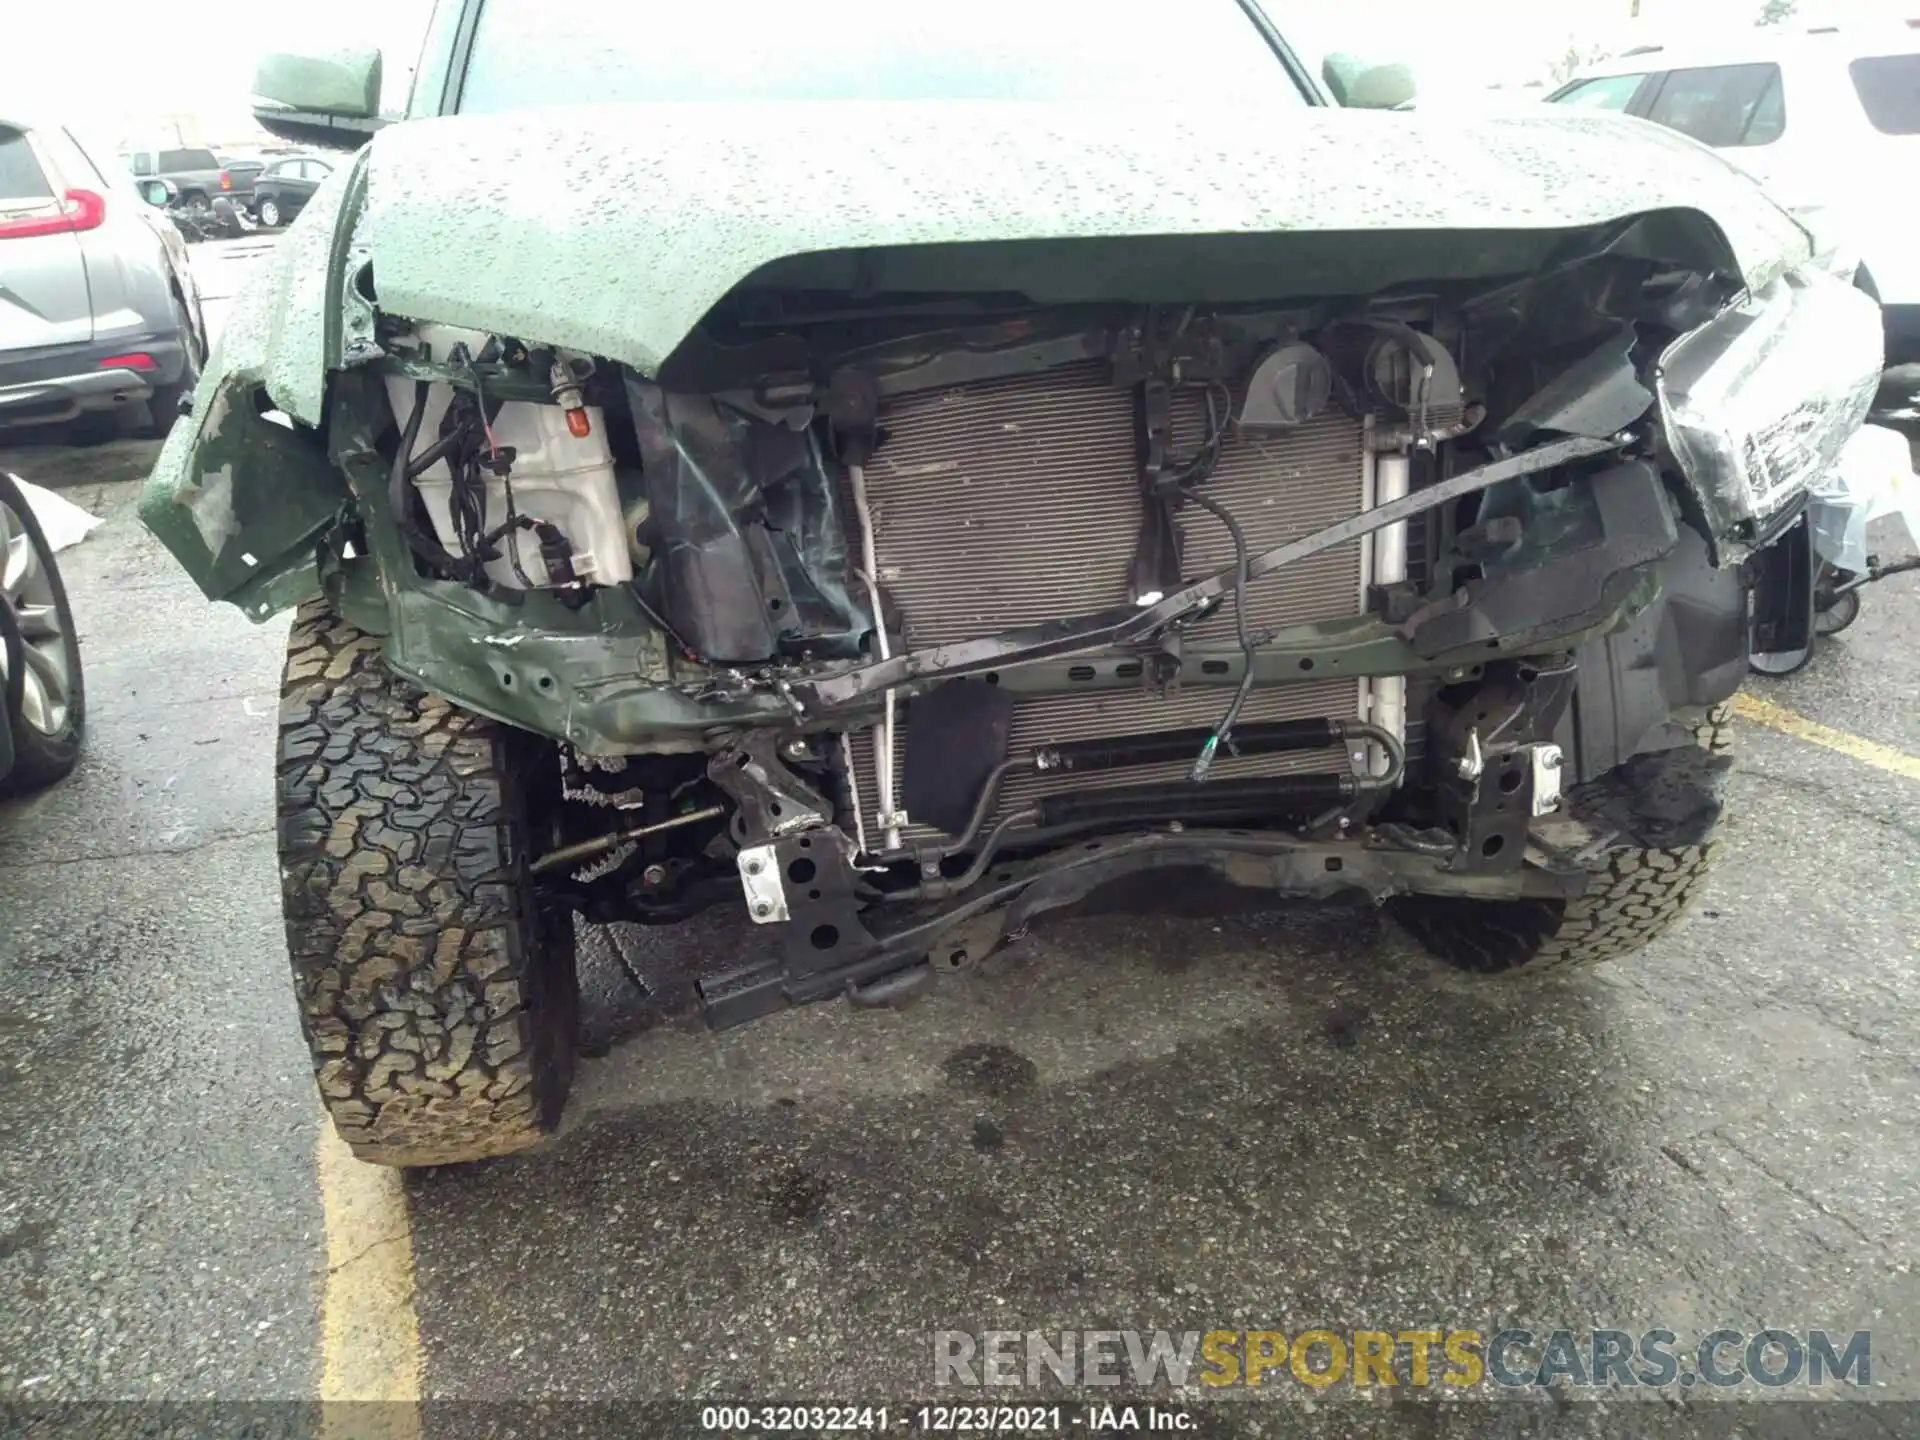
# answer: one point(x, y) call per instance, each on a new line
point(760, 880)
point(1473, 764)
point(1546, 778)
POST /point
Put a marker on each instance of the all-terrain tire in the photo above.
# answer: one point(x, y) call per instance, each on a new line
point(437, 992)
point(1661, 812)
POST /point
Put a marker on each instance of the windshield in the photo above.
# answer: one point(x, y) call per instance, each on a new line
point(533, 52)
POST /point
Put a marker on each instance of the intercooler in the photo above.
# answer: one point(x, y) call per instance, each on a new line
point(1005, 502)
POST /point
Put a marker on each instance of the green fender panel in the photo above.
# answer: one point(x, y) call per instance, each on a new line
point(243, 503)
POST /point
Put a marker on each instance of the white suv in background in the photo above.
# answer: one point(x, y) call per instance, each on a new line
point(1827, 120)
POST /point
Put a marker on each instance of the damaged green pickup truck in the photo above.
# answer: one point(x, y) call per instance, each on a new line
point(897, 488)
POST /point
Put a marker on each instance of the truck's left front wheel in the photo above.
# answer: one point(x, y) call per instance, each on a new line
point(436, 988)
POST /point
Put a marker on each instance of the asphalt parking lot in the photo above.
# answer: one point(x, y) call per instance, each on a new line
point(1156, 1121)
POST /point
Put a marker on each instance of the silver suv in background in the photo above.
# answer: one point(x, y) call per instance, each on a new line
point(98, 309)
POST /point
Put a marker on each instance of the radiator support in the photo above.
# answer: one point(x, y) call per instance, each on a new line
point(1011, 502)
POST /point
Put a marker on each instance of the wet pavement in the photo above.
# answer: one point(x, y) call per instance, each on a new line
point(1236, 1120)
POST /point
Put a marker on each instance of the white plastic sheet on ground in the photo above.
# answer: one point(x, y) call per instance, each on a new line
point(64, 523)
point(1873, 477)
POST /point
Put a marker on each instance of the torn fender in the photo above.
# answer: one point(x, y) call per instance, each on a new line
point(238, 497)
point(241, 499)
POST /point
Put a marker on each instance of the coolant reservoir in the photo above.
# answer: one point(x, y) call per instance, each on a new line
point(556, 476)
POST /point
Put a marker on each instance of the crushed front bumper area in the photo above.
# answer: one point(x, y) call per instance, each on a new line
point(874, 967)
point(835, 943)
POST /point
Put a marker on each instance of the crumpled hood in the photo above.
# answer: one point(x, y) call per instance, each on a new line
point(614, 229)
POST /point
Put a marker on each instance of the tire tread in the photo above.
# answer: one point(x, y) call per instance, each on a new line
point(437, 996)
point(1634, 895)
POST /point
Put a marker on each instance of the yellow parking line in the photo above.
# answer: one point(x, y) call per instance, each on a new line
point(1778, 717)
point(369, 1334)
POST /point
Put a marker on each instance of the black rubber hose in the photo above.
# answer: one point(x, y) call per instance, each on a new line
point(437, 451)
point(397, 494)
point(1269, 738)
point(400, 488)
point(400, 494)
point(1222, 733)
point(1216, 800)
point(982, 807)
point(1272, 737)
point(935, 889)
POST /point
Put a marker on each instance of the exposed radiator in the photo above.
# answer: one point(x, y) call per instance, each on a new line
point(1005, 502)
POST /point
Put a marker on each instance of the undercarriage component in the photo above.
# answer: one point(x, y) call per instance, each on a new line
point(1494, 767)
point(805, 881)
point(1547, 765)
point(1369, 864)
point(1258, 796)
point(760, 878)
point(1266, 795)
point(588, 849)
point(1119, 752)
point(1122, 750)
point(1646, 840)
point(772, 800)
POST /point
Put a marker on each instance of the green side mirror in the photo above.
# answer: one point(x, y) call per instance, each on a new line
point(346, 84)
point(157, 193)
point(1361, 84)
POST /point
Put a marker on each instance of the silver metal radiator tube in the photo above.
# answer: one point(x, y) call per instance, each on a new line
point(1391, 479)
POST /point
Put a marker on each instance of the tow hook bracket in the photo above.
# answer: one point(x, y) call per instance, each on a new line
point(807, 885)
point(1501, 773)
point(760, 878)
point(1546, 779)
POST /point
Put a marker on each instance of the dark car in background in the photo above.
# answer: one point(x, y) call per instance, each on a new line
point(285, 186)
point(98, 308)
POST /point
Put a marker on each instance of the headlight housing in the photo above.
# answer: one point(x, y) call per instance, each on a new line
point(1757, 403)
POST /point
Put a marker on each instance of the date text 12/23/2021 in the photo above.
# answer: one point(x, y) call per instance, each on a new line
point(947, 1419)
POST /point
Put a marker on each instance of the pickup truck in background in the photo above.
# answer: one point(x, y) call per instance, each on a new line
point(241, 171)
point(200, 180)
